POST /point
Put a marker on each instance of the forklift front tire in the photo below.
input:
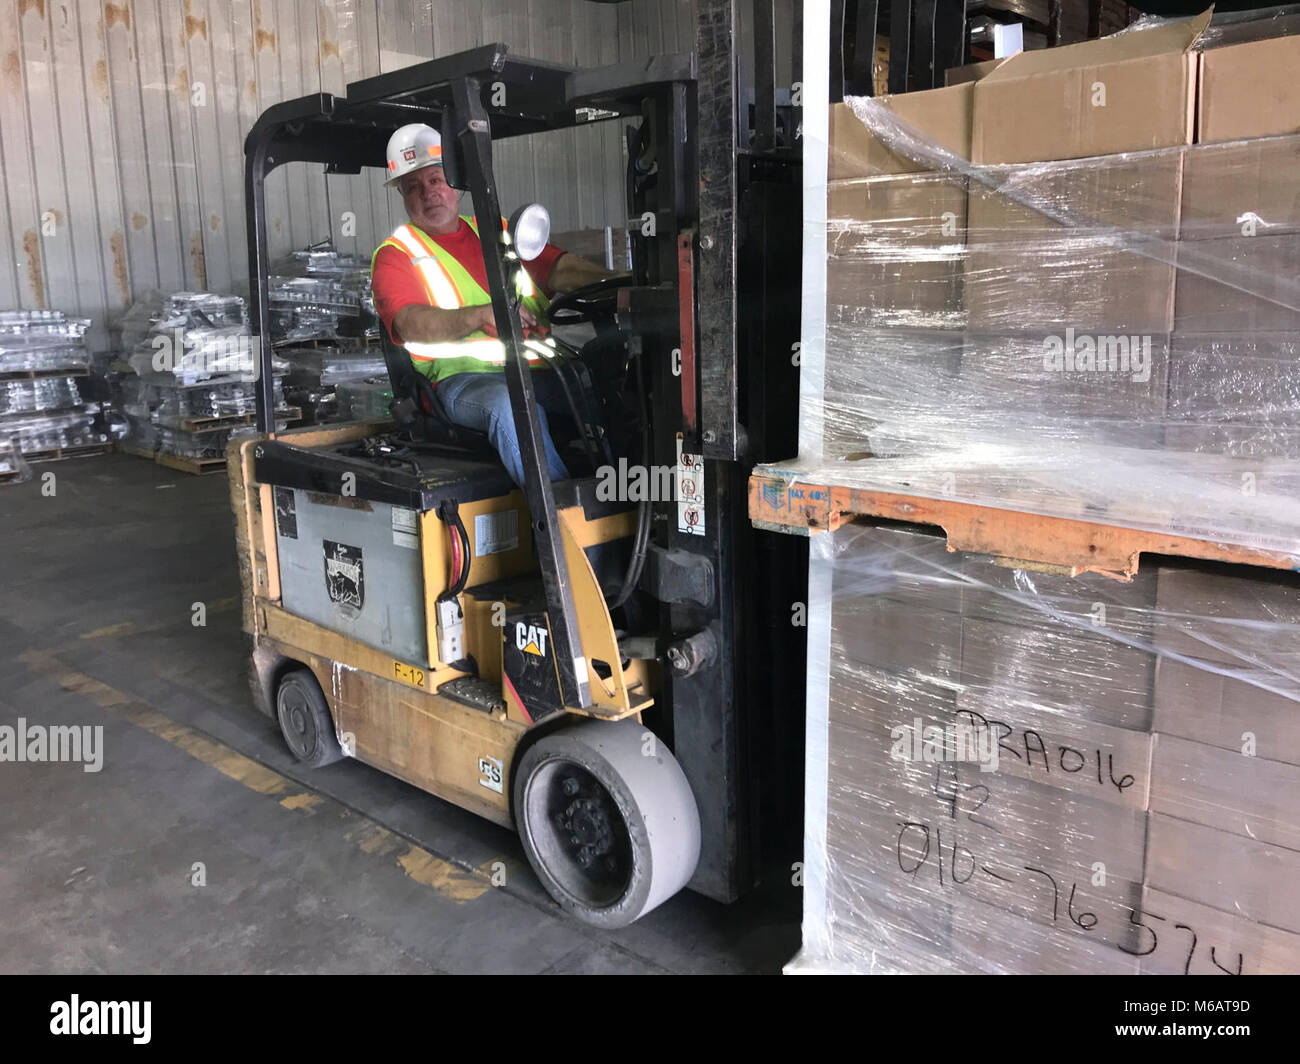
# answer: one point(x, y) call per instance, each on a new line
point(305, 720)
point(607, 819)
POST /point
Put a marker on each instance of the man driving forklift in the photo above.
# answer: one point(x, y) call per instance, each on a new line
point(431, 293)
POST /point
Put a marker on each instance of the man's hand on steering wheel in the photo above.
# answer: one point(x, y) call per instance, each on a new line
point(526, 319)
point(594, 303)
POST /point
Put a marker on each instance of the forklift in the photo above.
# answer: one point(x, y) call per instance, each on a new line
point(591, 672)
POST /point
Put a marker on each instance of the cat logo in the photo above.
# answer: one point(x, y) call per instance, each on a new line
point(531, 638)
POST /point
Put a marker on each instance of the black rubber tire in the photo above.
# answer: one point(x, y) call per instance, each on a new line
point(639, 815)
point(305, 720)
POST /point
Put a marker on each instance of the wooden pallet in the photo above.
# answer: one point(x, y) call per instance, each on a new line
point(195, 466)
point(43, 374)
point(1060, 543)
point(58, 454)
point(196, 425)
point(199, 425)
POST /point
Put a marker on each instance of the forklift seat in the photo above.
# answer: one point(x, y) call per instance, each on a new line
point(418, 411)
point(420, 416)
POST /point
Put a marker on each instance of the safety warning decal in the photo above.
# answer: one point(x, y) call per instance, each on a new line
point(286, 518)
point(344, 576)
point(405, 528)
point(496, 532)
point(690, 491)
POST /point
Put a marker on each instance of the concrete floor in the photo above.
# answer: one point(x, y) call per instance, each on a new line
point(339, 870)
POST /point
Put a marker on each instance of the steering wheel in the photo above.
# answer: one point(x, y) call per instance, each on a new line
point(590, 303)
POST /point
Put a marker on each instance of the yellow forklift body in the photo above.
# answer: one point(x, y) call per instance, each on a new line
point(386, 708)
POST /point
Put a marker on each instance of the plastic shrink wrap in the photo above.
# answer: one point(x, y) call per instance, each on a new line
point(1110, 337)
point(364, 400)
point(316, 374)
point(194, 364)
point(44, 398)
point(322, 317)
point(1052, 291)
point(42, 340)
point(318, 294)
point(13, 470)
point(1018, 772)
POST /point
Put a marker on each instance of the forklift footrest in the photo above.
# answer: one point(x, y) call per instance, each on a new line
point(475, 693)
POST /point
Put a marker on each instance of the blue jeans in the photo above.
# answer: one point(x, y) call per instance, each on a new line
point(481, 401)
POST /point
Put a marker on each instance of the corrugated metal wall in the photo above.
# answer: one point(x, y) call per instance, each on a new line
point(122, 128)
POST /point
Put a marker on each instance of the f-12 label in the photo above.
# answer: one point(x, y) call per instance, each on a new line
point(531, 638)
point(409, 674)
point(489, 768)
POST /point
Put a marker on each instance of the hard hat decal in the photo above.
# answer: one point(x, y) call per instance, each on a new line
point(412, 148)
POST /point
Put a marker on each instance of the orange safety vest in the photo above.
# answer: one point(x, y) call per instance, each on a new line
point(450, 286)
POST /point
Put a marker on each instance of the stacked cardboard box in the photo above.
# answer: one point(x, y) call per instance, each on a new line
point(1238, 302)
point(1140, 811)
point(1116, 831)
point(1070, 287)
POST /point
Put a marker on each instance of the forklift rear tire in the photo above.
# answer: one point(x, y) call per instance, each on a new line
point(305, 720)
point(607, 819)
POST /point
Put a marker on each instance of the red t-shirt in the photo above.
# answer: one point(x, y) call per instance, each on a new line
point(396, 285)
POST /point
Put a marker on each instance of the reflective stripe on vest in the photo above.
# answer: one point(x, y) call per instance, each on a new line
point(488, 350)
point(438, 287)
point(437, 269)
point(449, 284)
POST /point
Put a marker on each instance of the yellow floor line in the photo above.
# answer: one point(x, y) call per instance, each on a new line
point(449, 880)
point(446, 879)
point(125, 628)
point(224, 605)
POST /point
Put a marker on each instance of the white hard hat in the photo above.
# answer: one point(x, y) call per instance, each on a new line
point(412, 147)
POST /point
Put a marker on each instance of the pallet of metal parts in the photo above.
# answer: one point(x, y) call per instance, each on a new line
point(213, 309)
point(13, 469)
point(315, 370)
point(41, 343)
point(37, 396)
point(198, 452)
point(161, 401)
point(55, 430)
point(319, 294)
point(322, 260)
point(366, 400)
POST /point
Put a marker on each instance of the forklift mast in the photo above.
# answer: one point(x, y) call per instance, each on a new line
point(711, 319)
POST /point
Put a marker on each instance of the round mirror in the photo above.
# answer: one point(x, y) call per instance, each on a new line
point(530, 229)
